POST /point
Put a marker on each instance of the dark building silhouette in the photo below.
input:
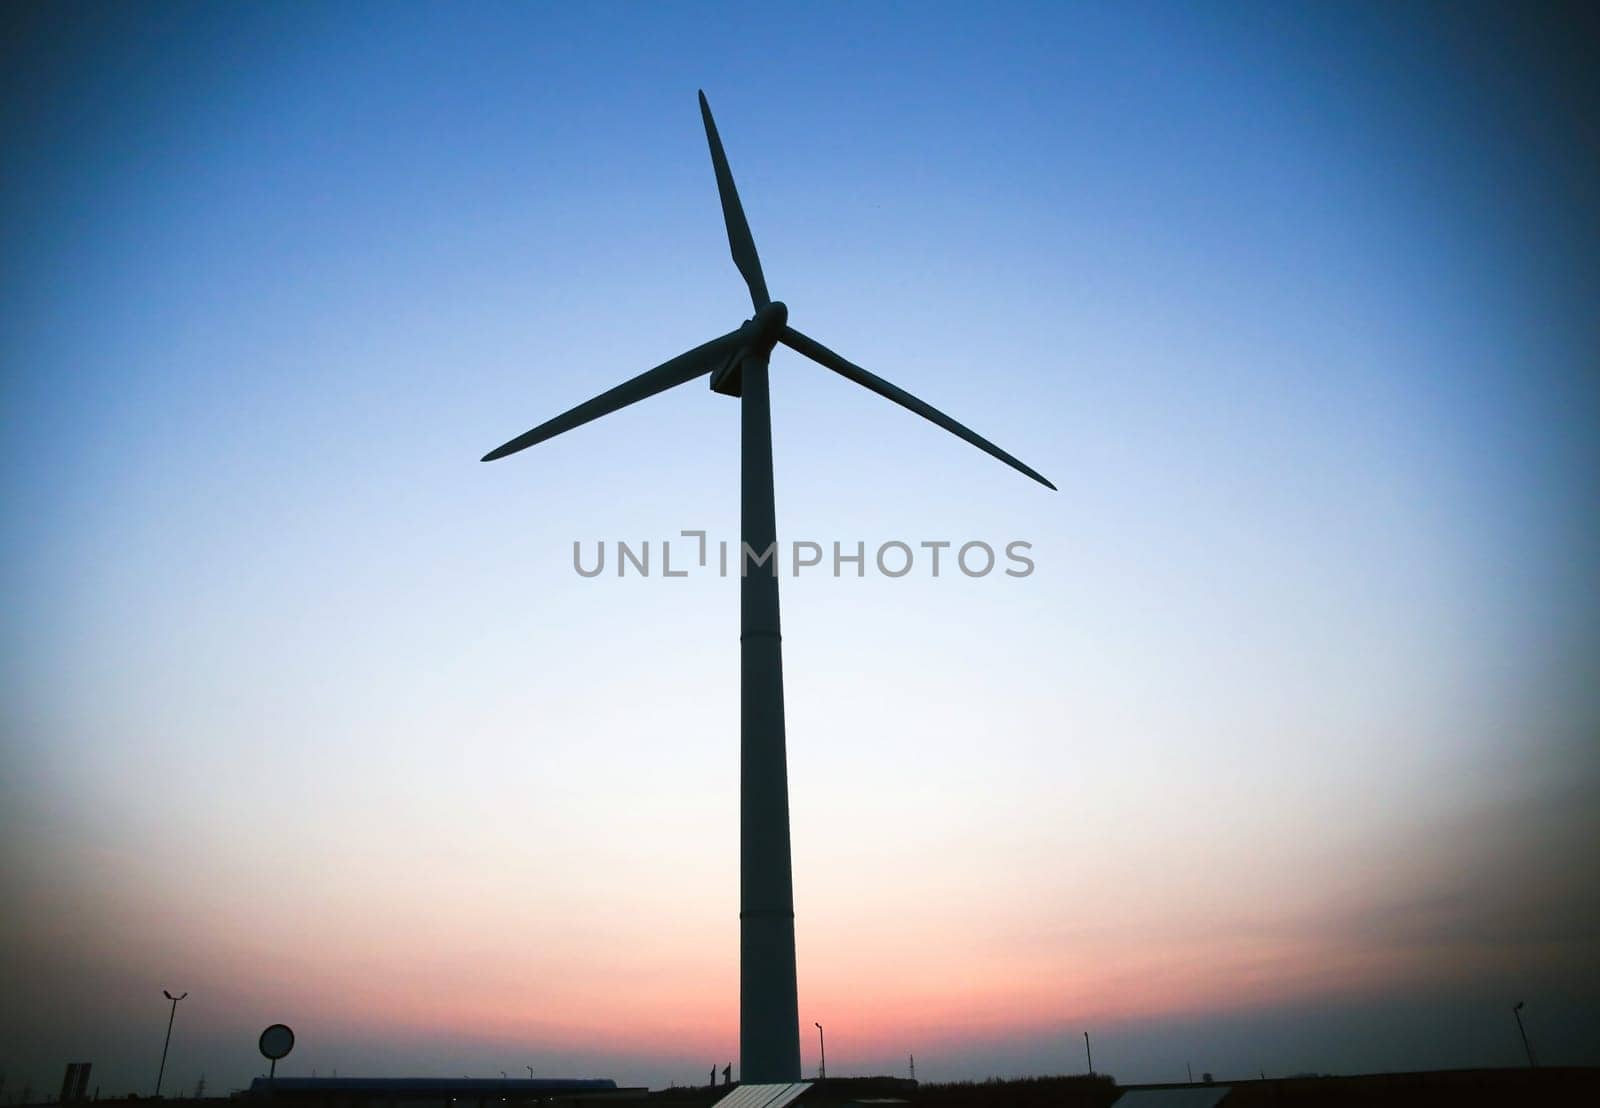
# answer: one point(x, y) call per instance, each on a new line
point(438, 1092)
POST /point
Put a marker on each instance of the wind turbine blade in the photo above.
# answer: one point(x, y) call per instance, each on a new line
point(685, 367)
point(739, 240)
point(814, 350)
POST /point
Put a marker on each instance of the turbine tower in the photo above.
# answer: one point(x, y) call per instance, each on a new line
point(769, 1020)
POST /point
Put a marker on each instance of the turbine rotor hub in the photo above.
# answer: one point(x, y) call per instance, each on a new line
point(767, 324)
point(760, 333)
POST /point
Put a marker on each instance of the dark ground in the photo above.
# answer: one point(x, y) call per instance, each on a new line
point(1491, 1088)
point(1454, 1088)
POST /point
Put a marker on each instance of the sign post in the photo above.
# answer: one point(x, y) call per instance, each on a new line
point(276, 1041)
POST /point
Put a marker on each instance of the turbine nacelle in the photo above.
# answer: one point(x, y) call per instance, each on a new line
point(759, 335)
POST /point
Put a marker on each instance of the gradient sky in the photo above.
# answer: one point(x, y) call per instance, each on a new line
point(1284, 758)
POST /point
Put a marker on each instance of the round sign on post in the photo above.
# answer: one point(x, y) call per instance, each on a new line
point(275, 1042)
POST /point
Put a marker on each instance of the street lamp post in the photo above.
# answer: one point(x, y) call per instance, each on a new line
point(172, 1015)
point(1516, 1010)
point(1089, 1053)
point(822, 1052)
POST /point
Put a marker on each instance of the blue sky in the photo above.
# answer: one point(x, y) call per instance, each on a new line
point(1284, 755)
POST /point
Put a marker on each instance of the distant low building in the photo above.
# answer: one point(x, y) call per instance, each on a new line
point(437, 1092)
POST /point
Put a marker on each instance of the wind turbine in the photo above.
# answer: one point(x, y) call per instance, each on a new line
point(769, 1020)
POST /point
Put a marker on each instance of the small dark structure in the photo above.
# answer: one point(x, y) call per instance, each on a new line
point(75, 1083)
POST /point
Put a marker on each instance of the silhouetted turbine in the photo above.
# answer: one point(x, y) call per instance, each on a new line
point(769, 1024)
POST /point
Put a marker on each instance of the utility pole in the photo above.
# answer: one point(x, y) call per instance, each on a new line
point(822, 1062)
point(1526, 1049)
point(1089, 1053)
point(912, 1058)
point(1190, 1071)
point(170, 1017)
